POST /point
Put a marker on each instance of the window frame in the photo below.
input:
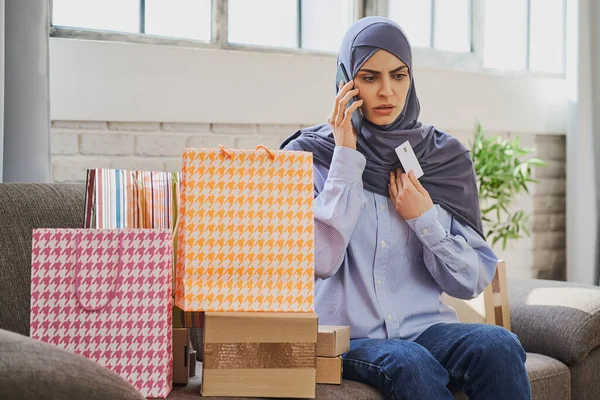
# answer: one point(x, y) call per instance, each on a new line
point(219, 32)
point(423, 57)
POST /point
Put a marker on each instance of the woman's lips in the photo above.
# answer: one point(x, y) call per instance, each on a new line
point(384, 110)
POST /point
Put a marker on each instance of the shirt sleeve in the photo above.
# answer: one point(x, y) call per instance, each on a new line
point(461, 262)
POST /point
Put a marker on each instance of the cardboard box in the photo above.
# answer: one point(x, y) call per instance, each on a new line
point(333, 341)
point(329, 370)
point(181, 356)
point(256, 354)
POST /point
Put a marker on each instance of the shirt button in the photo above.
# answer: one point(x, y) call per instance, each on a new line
point(383, 243)
point(390, 317)
point(379, 282)
point(382, 207)
point(425, 231)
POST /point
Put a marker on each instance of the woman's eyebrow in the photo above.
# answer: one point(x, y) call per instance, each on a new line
point(399, 69)
point(372, 71)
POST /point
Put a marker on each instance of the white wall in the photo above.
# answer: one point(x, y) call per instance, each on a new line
point(111, 81)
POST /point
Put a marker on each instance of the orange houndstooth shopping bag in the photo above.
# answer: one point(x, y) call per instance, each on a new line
point(245, 232)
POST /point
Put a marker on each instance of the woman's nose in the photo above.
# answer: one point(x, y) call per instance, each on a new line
point(386, 87)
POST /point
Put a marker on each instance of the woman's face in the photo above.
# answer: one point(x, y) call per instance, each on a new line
point(383, 82)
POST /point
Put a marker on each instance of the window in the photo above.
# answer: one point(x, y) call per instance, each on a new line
point(439, 24)
point(275, 25)
point(188, 19)
point(109, 15)
point(547, 35)
point(474, 35)
point(324, 23)
point(535, 40)
point(308, 24)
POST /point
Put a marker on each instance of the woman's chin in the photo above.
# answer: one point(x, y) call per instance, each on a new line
point(382, 119)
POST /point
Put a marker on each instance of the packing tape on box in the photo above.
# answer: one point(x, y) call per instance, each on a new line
point(259, 355)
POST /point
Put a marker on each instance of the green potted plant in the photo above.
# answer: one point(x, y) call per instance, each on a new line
point(502, 175)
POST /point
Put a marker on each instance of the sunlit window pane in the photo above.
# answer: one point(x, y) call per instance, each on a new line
point(324, 23)
point(189, 19)
point(108, 15)
point(452, 29)
point(271, 23)
point(547, 36)
point(415, 19)
point(506, 34)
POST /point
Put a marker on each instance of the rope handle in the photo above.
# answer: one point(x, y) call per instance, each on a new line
point(229, 154)
point(113, 293)
point(265, 148)
point(225, 152)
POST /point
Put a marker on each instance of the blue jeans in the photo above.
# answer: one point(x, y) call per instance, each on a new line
point(484, 361)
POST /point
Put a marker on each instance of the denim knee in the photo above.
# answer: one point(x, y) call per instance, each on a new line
point(400, 359)
point(494, 344)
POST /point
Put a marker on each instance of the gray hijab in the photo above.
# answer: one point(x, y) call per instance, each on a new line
point(449, 176)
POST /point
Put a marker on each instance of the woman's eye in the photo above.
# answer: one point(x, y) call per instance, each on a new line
point(399, 76)
point(368, 78)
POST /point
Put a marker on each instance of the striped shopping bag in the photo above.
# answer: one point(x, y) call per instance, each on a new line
point(117, 198)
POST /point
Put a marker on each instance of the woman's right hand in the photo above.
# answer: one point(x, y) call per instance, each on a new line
point(340, 118)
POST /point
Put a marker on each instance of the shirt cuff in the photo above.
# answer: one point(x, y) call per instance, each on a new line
point(427, 227)
point(347, 164)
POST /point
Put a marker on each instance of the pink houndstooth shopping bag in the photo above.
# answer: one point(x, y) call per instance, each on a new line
point(106, 295)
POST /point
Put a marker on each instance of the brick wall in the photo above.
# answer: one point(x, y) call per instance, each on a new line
point(543, 254)
point(77, 146)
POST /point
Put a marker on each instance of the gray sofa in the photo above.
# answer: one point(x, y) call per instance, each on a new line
point(557, 322)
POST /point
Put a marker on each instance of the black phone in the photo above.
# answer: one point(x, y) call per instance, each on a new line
point(342, 76)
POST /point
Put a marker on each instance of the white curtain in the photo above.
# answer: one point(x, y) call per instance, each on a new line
point(24, 84)
point(583, 140)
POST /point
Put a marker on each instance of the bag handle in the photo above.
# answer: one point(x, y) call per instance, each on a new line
point(259, 147)
point(265, 148)
point(113, 293)
point(224, 151)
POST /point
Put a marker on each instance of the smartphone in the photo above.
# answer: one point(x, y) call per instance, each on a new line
point(342, 76)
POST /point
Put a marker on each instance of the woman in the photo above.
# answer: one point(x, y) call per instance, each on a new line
point(388, 244)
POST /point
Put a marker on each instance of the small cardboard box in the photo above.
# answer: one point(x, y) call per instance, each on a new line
point(256, 354)
point(181, 356)
point(333, 341)
point(329, 370)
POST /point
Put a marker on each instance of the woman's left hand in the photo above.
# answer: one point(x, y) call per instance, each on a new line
point(409, 197)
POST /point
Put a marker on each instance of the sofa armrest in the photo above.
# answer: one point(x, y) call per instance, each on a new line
point(554, 318)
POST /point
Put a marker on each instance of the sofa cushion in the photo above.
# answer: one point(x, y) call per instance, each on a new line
point(558, 319)
point(30, 369)
point(24, 206)
point(550, 379)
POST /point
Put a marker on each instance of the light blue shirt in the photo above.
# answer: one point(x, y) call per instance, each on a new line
point(379, 274)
